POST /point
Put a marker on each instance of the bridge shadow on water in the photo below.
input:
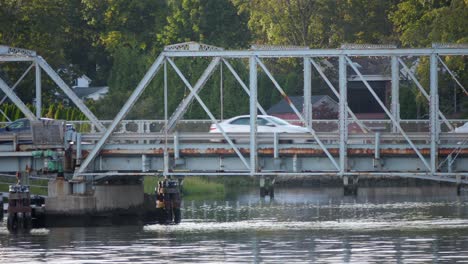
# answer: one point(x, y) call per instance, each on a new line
point(329, 204)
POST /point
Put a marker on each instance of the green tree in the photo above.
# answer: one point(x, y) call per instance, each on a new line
point(419, 24)
point(214, 22)
point(320, 23)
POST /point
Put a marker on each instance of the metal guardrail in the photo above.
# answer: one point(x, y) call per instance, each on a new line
point(202, 125)
point(217, 137)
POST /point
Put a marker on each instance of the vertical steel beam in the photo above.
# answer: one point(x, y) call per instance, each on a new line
point(433, 111)
point(343, 122)
point(38, 91)
point(16, 100)
point(77, 101)
point(307, 108)
point(244, 87)
point(123, 112)
point(275, 145)
point(377, 146)
point(221, 92)
point(166, 154)
point(253, 114)
point(395, 105)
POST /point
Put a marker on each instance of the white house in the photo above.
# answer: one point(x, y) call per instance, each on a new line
point(86, 92)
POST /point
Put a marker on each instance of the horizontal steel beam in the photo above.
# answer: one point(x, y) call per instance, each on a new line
point(318, 52)
point(15, 59)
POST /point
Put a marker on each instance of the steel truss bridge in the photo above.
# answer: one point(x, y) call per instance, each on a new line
point(426, 149)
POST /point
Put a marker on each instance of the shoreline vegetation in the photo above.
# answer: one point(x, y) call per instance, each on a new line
point(204, 187)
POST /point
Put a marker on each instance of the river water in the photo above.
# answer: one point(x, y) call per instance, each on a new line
point(302, 225)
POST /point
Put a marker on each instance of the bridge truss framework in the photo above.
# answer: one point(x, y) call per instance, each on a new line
point(170, 154)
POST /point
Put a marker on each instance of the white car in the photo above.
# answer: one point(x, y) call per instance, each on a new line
point(462, 129)
point(265, 124)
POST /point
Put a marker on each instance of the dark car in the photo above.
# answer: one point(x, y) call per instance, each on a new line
point(22, 126)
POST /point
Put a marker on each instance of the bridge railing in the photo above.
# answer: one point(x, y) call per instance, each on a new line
point(299, 139)
point(328, 125)
point(321, 125)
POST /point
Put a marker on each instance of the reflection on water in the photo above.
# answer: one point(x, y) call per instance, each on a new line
point(315, 225)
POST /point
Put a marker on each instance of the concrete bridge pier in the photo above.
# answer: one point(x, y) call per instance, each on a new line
point(267, 186)
point(350, 185)
point(76, 201)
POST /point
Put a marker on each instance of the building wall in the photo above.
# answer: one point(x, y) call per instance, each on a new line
point(360, 100)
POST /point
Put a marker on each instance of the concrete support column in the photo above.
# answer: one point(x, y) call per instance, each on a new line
point(343, 122)
point(253, 114)
point(395, 105)
point(433, 112)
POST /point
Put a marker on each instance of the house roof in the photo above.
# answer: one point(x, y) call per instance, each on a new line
point(83, 92)
point(298, 101)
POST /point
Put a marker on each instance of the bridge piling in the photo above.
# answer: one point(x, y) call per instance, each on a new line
point(350, 185)
point(267, 187)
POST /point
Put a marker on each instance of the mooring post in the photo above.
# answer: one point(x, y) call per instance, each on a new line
point(267, 186)
point(262, 187)
point(458, 178)
point(350, 184)
point(19, 209)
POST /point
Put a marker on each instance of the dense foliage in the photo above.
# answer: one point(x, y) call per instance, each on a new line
point(114, 42)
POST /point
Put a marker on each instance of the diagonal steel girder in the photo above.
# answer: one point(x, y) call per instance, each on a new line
point(122, 113)
point(69, 92)
point(392, 118)
point(330, 85)
point(16, 100)
point(183, 106)
point(423, 91)
point(311, 130)
point(244, 87)
point(206, 75)
point(453, 75)
point(18, 81)
point(14, 87)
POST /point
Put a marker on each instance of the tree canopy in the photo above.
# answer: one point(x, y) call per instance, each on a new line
point(115, 41)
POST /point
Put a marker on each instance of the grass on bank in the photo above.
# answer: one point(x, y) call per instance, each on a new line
point(190, 185)
point(200, 187)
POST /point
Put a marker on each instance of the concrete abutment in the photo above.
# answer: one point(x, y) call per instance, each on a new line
point(99, 199)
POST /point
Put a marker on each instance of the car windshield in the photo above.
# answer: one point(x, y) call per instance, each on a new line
point(278, 121)
point(19, 124)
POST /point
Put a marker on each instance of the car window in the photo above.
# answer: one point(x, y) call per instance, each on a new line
point(262, 122)
point(278, 121)
point(19, 124)
point(241, 121)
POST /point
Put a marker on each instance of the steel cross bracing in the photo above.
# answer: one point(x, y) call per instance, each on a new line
point(11, 54)
point(331, 154)
point(219, 55)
